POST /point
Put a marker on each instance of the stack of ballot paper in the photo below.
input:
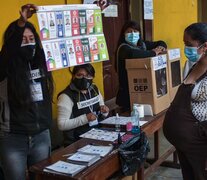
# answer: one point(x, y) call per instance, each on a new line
point(65, 168)
point(83, 158)
point(96, 149)
point(102, 135)
point(122, 120)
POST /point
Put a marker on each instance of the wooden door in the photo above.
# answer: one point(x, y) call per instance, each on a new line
point(112, 27)
point(202, 8)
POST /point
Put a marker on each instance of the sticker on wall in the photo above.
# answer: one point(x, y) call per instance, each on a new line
point(148, 9)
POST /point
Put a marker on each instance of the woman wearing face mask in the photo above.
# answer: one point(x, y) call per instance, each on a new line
point(25, 98)
point(132, 46)
point(185, 124)
point(80, 105)
point(193, 55)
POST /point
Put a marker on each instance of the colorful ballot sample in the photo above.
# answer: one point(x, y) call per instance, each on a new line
point(71, 35)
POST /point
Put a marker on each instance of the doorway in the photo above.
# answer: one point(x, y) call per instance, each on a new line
point(112, 27)
point(127, 10)
point(202, 8)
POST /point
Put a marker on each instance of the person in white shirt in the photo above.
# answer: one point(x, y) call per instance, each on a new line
point(187, 66)
point(80, 105)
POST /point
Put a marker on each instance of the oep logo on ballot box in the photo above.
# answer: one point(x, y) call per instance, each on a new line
point(140, 85)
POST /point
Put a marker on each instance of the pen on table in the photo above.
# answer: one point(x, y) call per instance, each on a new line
point(65, 155)
point(94, 144)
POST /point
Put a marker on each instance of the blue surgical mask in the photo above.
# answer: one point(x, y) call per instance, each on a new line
point(132, 38)
point(192, 53)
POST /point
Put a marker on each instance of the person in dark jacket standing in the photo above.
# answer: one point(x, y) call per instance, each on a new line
point(26, 89)
point(185, 123)
point(131, 45)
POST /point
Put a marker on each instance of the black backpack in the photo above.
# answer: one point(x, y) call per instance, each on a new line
point(133, 154)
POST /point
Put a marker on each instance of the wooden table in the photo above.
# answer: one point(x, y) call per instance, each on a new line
point(108, 165)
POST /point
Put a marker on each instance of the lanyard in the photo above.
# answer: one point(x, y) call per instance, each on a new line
point(30, 70)
point(90, 106)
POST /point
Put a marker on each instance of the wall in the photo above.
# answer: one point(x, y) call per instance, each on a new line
point(171, 17)
point(9, 9)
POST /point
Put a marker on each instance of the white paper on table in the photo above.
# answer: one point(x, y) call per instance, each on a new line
point(102, 135)
point(65, 167)
point(122, 120)
point(82, 157)
point(96, 149)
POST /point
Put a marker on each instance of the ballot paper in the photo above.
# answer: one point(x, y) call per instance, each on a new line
point(83, 158)
point(122, 120)
point(102, 135)
point(96, 149)
point(65, 168)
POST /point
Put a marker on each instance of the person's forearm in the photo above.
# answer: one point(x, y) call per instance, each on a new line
point(14, 42)
point(21, 22)
point(65, 122)
point(101, 99)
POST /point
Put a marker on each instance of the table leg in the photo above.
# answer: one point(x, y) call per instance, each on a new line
point(140, 173)
point(156, 145)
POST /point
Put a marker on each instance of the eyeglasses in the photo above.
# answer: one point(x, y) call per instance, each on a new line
point(80, 76)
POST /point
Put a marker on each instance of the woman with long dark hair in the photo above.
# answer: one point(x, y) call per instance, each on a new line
point(130, 46)
point(26, 89)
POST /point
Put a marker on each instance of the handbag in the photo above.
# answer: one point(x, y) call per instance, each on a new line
point(133, 153)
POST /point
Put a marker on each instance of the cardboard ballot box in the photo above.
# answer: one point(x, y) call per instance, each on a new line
point(174, 71)
point(149, 82)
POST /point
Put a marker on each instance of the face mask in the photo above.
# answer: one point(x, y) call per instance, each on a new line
point(192, 53)
point(28, 50)
point(83, 83)
point(132, 38)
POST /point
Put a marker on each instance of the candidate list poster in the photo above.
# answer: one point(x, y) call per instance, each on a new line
point(71, 35)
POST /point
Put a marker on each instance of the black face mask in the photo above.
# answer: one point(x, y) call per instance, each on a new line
point(82, 84)
point(28, 51)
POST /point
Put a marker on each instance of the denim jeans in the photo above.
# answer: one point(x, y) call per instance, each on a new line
point(18, 152)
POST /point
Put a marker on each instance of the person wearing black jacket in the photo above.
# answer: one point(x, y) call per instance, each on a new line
point(80, 104)
point(130, 46)
point(26, 89)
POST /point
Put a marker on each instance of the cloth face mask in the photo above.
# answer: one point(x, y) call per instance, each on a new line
point(192, 53)
point(28, 50)
point(132, 38)
point(83, 83)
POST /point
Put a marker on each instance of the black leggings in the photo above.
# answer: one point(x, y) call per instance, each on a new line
point(192, 167)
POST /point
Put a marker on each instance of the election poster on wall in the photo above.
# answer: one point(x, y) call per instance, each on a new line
point(71, 35)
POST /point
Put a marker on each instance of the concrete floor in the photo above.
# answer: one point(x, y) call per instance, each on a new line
point(163, 173)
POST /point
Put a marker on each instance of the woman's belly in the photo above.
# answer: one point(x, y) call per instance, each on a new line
point(182, 130)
